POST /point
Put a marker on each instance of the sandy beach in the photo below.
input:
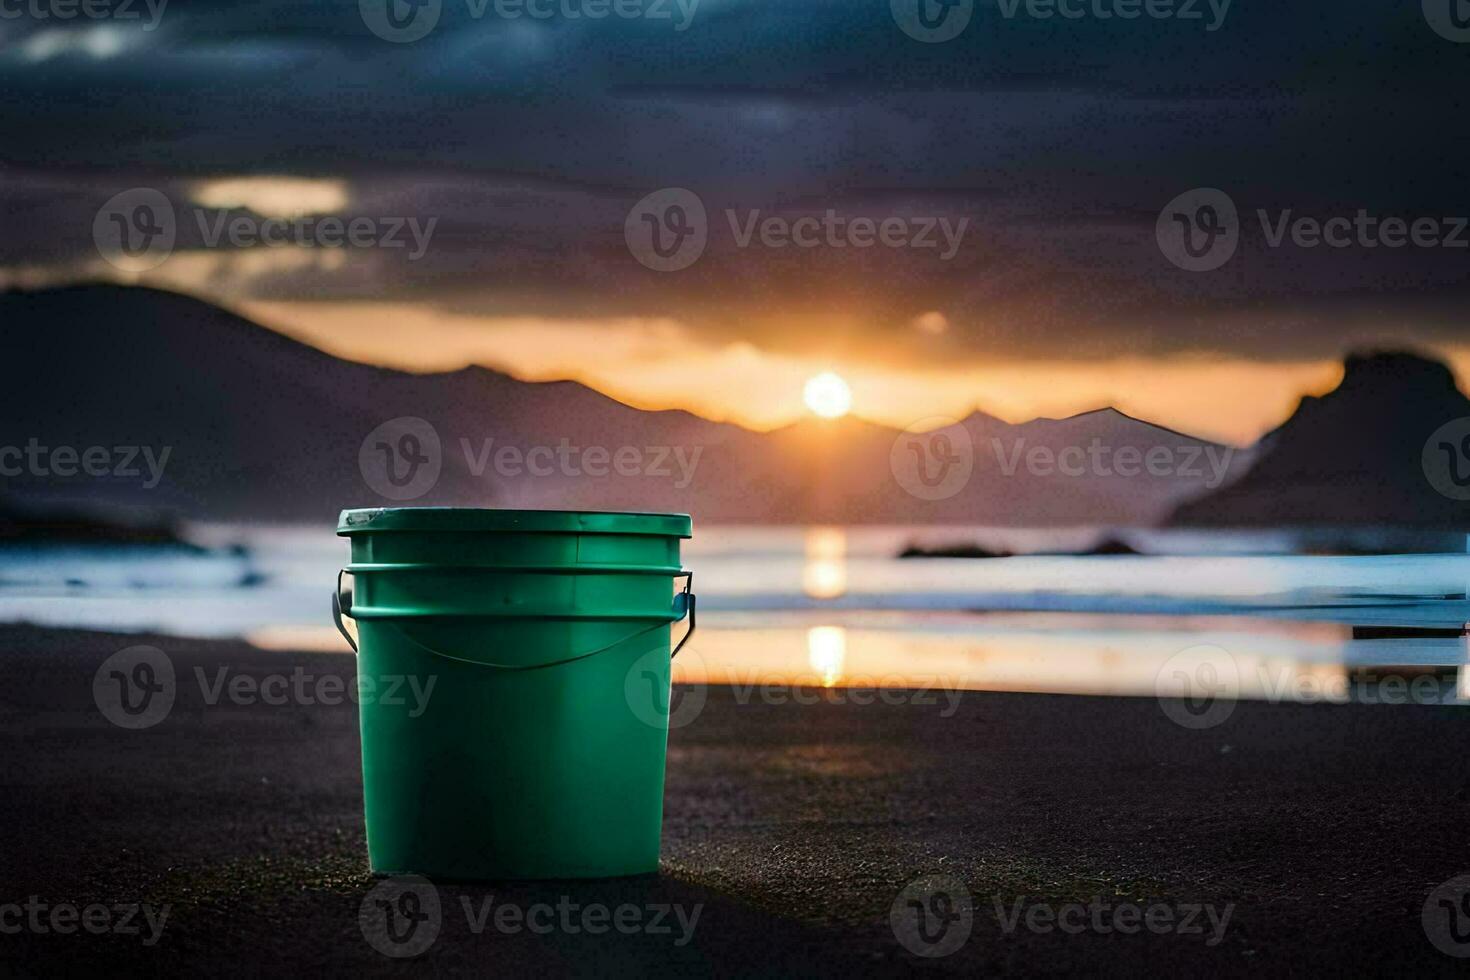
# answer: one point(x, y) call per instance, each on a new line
point(790, 830)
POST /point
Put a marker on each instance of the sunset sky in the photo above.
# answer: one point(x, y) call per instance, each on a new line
point(1055, 145)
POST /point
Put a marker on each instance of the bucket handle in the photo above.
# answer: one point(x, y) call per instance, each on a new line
point(683, 608)
point(342, 606)
point(684, 605)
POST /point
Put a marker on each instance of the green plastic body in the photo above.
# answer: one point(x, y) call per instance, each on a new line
point(539, 750)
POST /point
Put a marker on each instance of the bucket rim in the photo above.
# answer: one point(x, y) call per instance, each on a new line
point(372, 520)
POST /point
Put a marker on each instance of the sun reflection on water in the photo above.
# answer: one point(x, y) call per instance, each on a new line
point(826, 652)
point(824, 571)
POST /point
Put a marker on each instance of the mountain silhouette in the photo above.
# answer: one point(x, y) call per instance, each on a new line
point(260, 427)
point(1355, 455)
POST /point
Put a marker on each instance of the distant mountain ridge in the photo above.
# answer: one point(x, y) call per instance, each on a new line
point(1351, 456)
point(261, 427)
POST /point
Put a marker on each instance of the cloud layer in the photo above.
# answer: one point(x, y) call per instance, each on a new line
point(528, 139)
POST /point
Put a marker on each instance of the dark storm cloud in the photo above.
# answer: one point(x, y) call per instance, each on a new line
point(1060, 140)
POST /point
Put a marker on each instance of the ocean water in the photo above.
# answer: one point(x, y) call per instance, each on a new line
point(834, 607)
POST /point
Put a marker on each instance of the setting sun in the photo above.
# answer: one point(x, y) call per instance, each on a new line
point(827, 395)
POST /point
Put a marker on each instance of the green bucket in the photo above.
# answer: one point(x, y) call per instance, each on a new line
point(528, 656)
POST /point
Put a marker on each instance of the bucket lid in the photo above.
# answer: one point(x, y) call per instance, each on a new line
point(374, 519)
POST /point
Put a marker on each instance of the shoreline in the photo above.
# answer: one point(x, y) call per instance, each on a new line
point(793, 827)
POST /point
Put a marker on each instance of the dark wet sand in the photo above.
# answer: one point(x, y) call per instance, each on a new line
point(795, 826)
